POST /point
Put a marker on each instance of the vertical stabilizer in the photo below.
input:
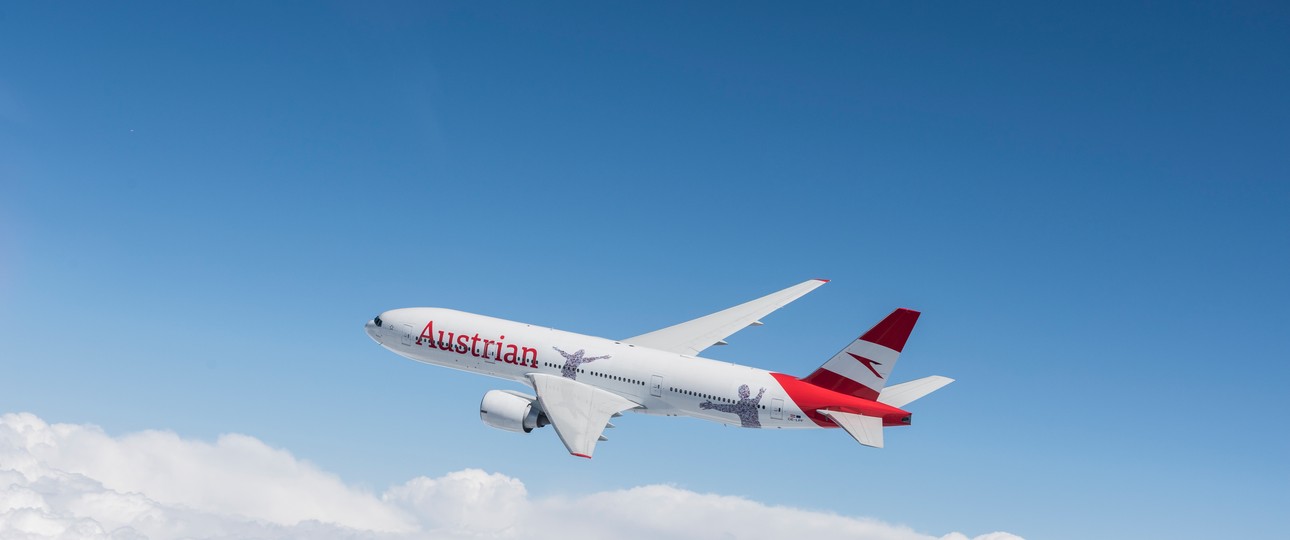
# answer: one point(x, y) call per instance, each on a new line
point(861, 369)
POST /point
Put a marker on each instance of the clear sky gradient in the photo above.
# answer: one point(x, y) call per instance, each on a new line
point(201, 203)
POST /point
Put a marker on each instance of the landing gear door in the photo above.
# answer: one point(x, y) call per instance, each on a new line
point(777, 409)
point(656, 386)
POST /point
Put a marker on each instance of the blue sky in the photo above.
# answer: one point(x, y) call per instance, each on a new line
point(200, 204)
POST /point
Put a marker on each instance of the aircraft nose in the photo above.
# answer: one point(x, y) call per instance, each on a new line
point(372, 327)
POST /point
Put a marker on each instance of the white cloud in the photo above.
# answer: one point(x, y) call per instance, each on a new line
point(75, 481)
point(136, 474)
point(465, 502)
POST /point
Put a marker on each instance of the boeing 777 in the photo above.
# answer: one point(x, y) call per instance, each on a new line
point(580, 382)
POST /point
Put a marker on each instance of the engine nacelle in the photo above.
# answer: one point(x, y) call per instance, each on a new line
point(511, 411)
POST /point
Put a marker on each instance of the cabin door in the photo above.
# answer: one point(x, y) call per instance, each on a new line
point(656, 386)
point(777, 409)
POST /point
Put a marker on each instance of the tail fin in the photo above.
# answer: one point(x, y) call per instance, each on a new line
point(861, 369)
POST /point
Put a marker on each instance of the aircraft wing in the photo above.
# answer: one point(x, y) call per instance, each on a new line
point(580, 412)
point(691, 337)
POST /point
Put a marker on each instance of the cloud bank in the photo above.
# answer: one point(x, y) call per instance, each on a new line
point(75, 481)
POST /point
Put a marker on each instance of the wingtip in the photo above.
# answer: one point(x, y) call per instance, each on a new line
point(821, 280)
point(580, 455)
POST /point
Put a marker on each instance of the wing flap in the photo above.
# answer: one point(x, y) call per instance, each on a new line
point(692, 337)
point(579, 412)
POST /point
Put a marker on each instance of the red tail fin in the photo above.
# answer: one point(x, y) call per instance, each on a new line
point(861, 369)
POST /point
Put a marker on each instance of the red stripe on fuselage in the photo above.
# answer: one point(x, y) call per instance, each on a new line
point(810, 398)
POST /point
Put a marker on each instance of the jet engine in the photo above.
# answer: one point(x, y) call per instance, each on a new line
point(511, 411)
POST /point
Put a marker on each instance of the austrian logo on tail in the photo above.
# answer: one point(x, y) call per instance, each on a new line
point(867, 363)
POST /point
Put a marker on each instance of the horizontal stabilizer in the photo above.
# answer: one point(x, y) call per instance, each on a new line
point(899, 395)
point(866, 430)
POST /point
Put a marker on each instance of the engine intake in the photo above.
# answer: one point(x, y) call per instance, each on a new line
point(511, 411)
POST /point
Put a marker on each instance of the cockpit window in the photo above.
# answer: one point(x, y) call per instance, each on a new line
point(377, 320)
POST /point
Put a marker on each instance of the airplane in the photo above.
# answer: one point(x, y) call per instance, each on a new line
point(581, 382)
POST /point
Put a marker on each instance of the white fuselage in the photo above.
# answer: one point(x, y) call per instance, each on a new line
point(663, 383)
